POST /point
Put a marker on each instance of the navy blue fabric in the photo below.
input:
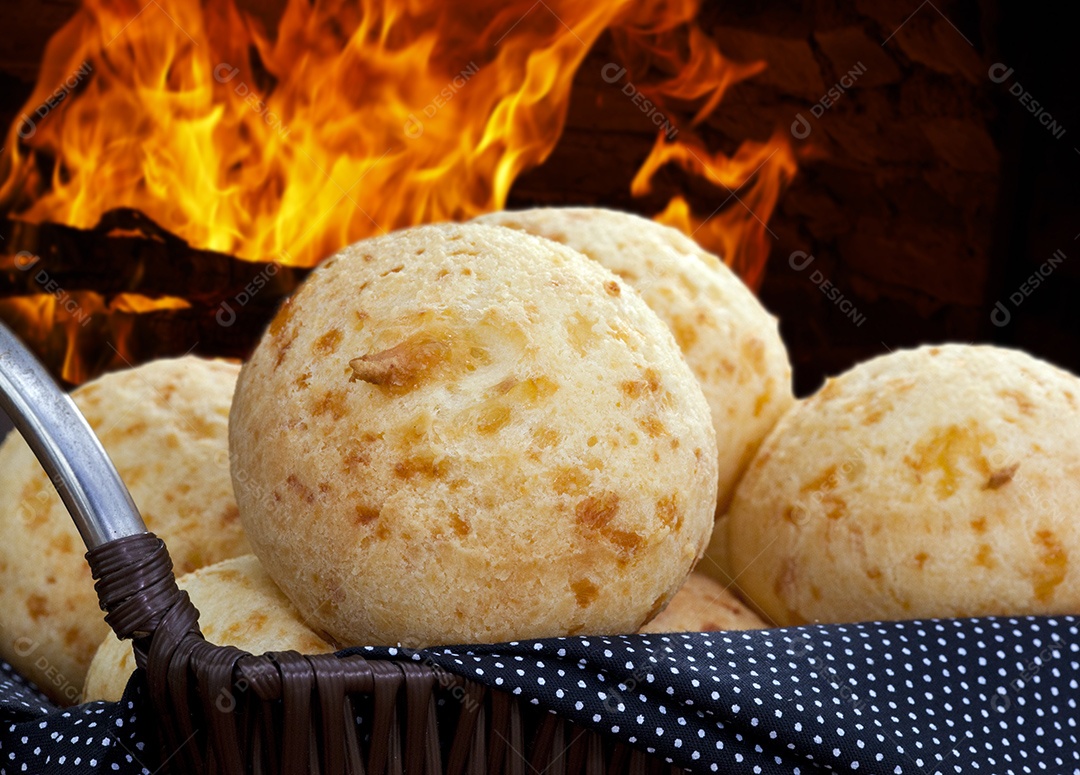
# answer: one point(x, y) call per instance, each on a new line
point(994, 695)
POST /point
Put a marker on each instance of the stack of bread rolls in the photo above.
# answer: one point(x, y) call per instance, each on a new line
point(539, 424)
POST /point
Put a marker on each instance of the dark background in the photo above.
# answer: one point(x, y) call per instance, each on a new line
point(927, 193)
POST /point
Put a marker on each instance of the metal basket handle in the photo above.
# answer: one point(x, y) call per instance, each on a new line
point(63, 441)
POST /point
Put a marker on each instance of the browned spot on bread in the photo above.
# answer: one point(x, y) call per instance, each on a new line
point(303, 380)
point(302, 490)
point(71, 636)
point(365, 514)
point(651, 425)
point(874, 416)
point(354, 455)
point(597, 510)
point(328, 343)
point(632, 388)
point(545, 437)
point(284, 349)
point(585, 592)
point(37, 606)
point(395, 270)
point(686, 335)
point(493, 419)
point(820, 491)
point(533, 390)
point(1055, 564)
point(1001, 477)
point(979, 525)
point(332, 403)
point(945, 449)
point(571, 480)
point(920, 559)
point(762, 400)
point(231, 514)
point(627, 541)
point(460, 526)
point(873, 573)
point(984, 556)
point(753, 351)
point(612, 288)
point(580, 333)
point(423, 464)
point(1023, 403)
point(282, 318)
point(668, 512)
point(652, 378)
point(62, 543)
point(402, 367)
point(826, 480)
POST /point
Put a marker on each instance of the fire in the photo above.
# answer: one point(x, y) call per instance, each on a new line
point(735, 229)
point(349, 120)
point(81, 326)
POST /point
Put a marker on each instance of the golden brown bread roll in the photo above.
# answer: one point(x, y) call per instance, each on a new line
point(941, 481)
point(703, 605)
point(239, 605)
point(472, 434)
point(164, 426)
point(730, 341)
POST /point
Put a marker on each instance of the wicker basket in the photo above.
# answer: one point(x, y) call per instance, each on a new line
point(285, 712)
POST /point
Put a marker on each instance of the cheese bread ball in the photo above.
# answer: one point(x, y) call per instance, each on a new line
point(938, 482)
point(703, 605)
point(730, 341)
point(470, 434)
point(164, 424)
point(239, 605)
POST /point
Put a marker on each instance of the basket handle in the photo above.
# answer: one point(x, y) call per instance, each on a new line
point(63, 441)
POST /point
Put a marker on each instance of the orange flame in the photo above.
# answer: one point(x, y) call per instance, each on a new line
point(71, 324)
point(348, 120)
point(752, 179)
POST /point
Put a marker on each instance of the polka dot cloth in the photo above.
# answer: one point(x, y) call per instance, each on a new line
point(951, 696)
point(98, 737)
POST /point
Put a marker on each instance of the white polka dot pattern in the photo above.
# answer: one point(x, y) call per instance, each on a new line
point(951, 696)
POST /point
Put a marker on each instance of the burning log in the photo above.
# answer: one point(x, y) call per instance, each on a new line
point(127, 291)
